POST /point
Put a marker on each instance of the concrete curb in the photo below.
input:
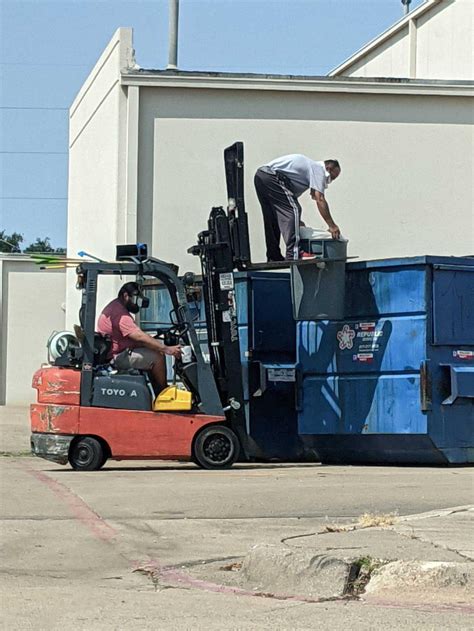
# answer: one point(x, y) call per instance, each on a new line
point(414, 574)
point(435, 513)
point(379, 565)
point(278, 569)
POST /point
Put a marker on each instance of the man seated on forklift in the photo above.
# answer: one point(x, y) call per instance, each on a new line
point(132, 348)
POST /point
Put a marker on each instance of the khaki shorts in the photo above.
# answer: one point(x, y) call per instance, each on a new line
point(137, 359)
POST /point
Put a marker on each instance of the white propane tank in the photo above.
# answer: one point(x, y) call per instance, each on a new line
point(59, 342)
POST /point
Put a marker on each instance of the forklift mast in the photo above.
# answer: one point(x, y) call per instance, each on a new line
point(237, 217)
point(222, 248)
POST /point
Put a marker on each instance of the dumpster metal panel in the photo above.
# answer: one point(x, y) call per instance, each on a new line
point(462, 383)
point(388, 290)
point(318, 292)
point(384, 449)
point(386, 404)
point(453, 305)
point(273, 331)
point(370, 345)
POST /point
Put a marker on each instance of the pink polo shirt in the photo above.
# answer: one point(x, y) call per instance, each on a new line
point(116, 322)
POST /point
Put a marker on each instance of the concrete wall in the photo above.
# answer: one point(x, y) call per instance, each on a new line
point(398, 194)
point(436, 45)
point(32, 306)
point(97, 207)
point(390, 59)
point(445, 39)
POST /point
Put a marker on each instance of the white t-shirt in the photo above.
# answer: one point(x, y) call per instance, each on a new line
point(302, 172)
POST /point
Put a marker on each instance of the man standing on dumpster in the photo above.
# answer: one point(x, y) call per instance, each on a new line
point(279, 184)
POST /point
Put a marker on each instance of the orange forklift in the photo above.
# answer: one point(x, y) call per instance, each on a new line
point(87, 412)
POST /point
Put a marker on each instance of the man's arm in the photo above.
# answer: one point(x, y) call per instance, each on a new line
point(325, 213)
point(143, 339)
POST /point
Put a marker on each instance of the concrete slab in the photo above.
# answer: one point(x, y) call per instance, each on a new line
point(327, 564)
point(95, 529)
point(416, 574)
point(277, 569)
point(377, 543)
point(448, 530)
point(14, 430)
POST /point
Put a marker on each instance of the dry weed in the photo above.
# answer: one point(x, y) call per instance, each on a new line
point(371, 520)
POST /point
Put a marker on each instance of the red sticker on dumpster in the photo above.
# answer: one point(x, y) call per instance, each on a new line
point(363, 357)
point(469, 355)
point(366, 326)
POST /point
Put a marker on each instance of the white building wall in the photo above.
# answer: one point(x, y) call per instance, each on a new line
point(391, 59)
point(445, 37)
point(396, 195)
point(434, 44)
point(32, 307)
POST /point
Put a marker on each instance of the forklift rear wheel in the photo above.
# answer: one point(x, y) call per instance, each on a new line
point(216, 447)
point(87, 454)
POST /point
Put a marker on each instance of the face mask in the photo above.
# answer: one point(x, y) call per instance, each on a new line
point(137, 302)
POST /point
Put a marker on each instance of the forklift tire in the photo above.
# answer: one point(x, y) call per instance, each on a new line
point(215, 447)
point(87, 454)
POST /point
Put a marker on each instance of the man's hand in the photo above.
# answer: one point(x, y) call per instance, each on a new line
point(325, 213)
point(173, 351)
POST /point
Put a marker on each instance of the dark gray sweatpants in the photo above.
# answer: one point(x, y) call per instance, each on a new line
point(281, 213)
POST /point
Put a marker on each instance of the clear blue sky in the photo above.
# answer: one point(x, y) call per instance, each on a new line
point(48, 48)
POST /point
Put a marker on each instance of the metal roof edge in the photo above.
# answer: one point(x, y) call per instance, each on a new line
point(383, 37)
point(249, 81)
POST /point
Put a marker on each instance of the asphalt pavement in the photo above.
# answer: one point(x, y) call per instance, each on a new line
point(158, 545)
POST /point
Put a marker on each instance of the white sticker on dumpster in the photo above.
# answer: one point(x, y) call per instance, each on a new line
point(469, 355)
point(346, 337)
point(281, 374)
point(363, 357)
point(226, 280)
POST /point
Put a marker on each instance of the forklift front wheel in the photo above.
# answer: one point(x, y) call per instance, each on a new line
point(215, 447)
point(87, 454)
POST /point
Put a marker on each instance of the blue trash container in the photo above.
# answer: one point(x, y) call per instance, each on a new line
point(393, 381)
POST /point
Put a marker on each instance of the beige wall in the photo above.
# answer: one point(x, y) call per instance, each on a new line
point(398, 194)
point(445, 39)
point(390, 59)
point(436, 45)
point(32, 306)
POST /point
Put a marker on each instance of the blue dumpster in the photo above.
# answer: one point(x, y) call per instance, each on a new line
point(267, 335)
point(392, 382)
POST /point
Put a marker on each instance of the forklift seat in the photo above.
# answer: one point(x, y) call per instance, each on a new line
point(102, 345)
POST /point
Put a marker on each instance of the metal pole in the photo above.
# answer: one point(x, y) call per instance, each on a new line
point(173, 35)
point(406, 4)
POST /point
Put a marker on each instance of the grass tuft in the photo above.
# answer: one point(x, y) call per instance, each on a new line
point(371, 520)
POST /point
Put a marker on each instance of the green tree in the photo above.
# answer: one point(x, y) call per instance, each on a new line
point(40, 245)
point(10, 242)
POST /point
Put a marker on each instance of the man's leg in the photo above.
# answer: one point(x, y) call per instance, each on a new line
point(289, 217)
point(270, 221)
point(152, 362)
point(157, 374)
